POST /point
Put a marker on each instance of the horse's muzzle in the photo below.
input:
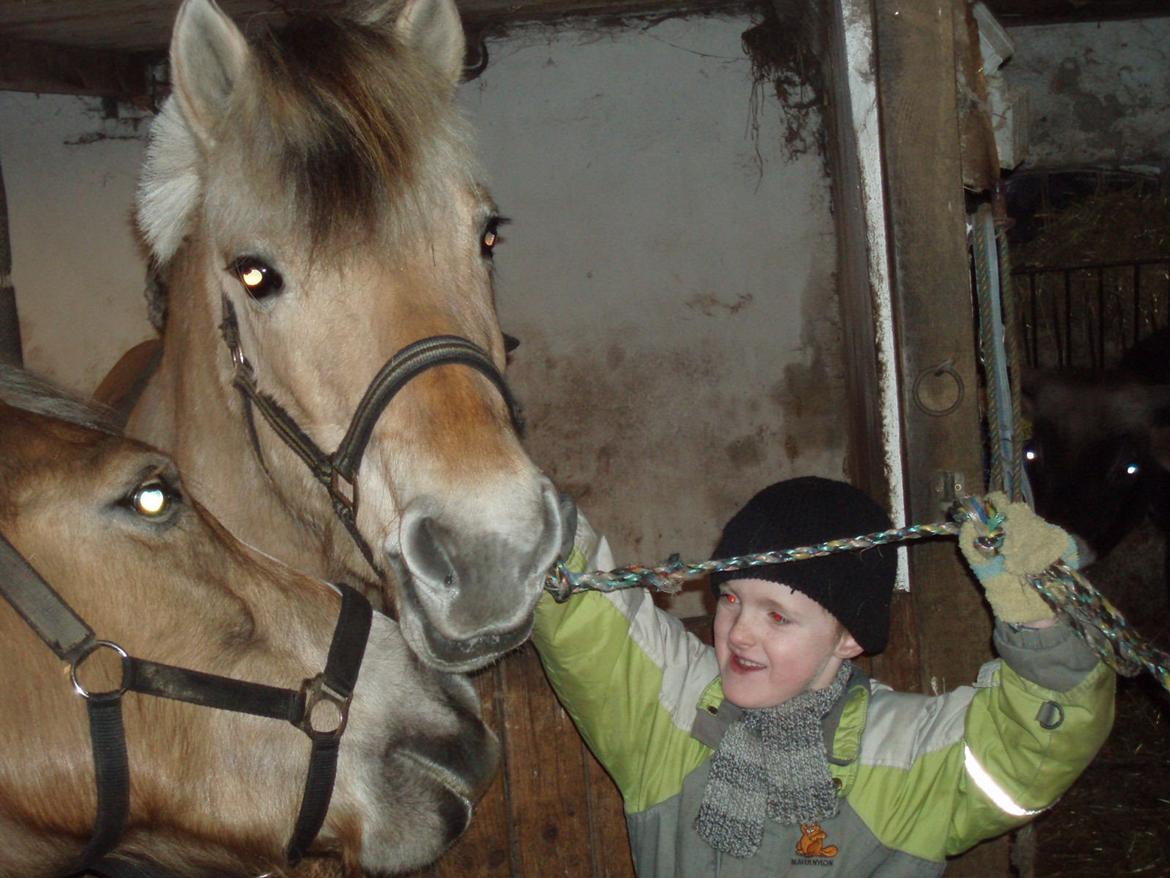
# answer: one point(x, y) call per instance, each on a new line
point(467, 593)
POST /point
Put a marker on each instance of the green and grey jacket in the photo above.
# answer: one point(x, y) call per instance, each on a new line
point(920, 778)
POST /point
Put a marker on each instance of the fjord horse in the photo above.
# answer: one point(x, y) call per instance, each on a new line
point(310, 196)
point(109, 525)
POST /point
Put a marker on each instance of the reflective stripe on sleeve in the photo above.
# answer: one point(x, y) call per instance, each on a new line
point(993, 790)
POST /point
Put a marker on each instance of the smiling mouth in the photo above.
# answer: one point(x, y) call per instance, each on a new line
point(741, 664)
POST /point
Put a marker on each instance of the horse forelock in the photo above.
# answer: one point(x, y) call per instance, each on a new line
point(361, 131)
point(355, 120)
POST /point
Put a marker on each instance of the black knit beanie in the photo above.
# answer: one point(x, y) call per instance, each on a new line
point(854, 586)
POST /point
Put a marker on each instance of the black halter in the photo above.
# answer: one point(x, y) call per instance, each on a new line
point(338, 471)
point(72, 640)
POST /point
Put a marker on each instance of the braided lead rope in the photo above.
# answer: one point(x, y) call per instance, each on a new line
point(1102, 626)
point(669, 577)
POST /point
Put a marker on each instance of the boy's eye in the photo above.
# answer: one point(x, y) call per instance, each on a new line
point(778, 618)
point(729, 597)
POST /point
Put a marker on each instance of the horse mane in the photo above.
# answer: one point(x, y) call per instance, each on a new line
point(23, 390)
point(342, 114)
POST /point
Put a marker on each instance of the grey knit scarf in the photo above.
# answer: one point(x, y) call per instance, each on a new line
point(771, 763)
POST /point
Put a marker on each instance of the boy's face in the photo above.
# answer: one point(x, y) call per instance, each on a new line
point(773, 643)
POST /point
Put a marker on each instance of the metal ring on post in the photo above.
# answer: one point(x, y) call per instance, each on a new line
point(86, 653)
point(946, 367)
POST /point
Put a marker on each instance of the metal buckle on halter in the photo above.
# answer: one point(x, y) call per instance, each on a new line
point(86, 653)
point(317, 693)
point(344, 491)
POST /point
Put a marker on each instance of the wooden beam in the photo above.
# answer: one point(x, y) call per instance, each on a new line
point(934, 319)
point(1013, 13)
point(482, 13)
point(40, 67)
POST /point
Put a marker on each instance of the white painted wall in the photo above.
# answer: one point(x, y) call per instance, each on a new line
point(1098, 92)
point(70, 175)
point(670, 277)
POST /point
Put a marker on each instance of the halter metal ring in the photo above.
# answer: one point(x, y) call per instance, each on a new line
point(317, 692)
point(86, 653)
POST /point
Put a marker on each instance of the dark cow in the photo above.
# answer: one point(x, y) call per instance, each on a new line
point(1099, 457)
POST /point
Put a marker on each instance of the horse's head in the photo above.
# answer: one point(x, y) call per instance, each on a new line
point(107, 523)
point(321, 182)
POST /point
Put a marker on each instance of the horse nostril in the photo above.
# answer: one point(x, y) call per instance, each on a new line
point(427, 554)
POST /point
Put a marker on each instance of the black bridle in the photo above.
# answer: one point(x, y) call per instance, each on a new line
point(338, 471)
point(73, 641)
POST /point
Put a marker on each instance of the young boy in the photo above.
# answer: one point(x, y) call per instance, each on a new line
point(773, 754)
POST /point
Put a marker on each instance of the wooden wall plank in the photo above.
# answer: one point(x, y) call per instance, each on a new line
point(548, 801)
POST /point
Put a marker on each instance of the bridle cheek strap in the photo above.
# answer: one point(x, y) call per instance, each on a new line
point(320, 708)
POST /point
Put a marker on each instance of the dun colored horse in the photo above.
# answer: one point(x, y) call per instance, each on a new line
point(312, 206)
point(108, 524)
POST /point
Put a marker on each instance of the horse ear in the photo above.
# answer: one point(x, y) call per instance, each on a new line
point(208, 54)
point(433, 28)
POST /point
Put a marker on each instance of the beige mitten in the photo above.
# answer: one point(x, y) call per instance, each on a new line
point(1030, 545)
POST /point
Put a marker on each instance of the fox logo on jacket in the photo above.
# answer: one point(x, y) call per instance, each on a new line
point(811, 848)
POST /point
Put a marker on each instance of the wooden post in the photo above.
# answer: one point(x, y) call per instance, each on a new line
point(10, 349)
point(933, 312)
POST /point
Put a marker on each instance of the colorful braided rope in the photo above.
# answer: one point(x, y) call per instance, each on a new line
point(1069, 594)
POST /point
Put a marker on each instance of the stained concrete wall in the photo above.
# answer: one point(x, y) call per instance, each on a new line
point(1098, 93)
point(669, 268)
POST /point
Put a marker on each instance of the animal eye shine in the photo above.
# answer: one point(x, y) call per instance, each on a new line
point(491, 236)
point(152, 500)
point(258, 279)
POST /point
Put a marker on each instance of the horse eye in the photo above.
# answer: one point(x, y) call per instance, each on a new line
point(258, 279)
point(491, 236)
point(153, 499)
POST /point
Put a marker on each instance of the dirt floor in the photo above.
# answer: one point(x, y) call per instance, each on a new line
point(1116, 820)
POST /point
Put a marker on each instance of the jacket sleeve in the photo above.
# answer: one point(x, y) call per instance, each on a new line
point(939, 774)
point(1029, 736)
point(630, 677)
